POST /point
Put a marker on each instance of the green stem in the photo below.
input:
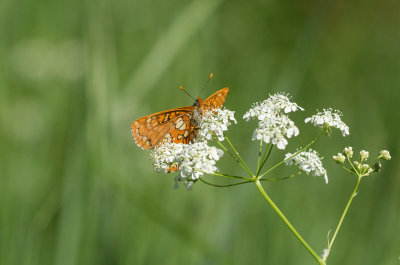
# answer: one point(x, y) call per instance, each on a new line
point(352, 166)
point(288, 224)
point(224, 186)
point(298, 152)
point(373, 162)
point(240, 158)
point(265, 158)
point(345, 168)
point(243, 182)
point(224, 175)
point(259, 157)
point(283, 178)
point(234, 157)
point(342, 218)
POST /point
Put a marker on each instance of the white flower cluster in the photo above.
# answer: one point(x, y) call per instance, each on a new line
point(309, 162)
point(329, 118)
point(274, 126)
point(187, 158)
point(214, 123)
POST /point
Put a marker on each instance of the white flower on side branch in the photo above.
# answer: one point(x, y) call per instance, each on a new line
point(329, 118)
point(309, 162)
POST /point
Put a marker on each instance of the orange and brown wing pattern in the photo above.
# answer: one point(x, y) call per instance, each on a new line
point(216, 100)
point(182, 131)
point(153, 129)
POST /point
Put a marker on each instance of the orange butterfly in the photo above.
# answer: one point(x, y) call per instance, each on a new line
point(177, 125)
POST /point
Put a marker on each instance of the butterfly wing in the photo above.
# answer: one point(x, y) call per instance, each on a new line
point(172, 125)
point(166, 126)
point(216, 100)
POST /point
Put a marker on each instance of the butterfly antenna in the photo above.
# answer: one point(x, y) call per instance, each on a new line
point(205, 85)
point(184, 90)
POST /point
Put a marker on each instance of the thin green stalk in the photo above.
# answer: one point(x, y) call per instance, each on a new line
point(351, 164)
point(259, 156)
point(240, 158)
point(345, 168)
point(342, 217)
point(233, 156)
point(265, 158)
point(283, 178)
point(224, 175)
point(243, 182)
point(373, 162)
point(283, 161)
point(288, 224)
point(224, 186)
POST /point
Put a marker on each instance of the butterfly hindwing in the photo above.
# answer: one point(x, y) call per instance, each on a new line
point(150, 130)
point(182, 131)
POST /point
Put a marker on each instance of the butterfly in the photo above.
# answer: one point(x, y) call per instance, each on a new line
point(178, 125)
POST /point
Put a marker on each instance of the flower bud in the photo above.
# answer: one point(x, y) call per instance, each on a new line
point(377, 166)
point(384, 154)
point(357, 166)
point(364, 155)
point(348, 151)
point(340, 158)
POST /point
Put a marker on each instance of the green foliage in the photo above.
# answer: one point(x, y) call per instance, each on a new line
point(75, 189)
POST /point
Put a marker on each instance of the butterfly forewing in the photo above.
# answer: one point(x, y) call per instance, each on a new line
point(216, 100)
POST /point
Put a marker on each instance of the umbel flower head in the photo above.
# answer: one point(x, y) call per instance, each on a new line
point(360, 168)
point(309, 162)
point(274, 126)
point(329, 118)
point(214, 123)
point(192, 160)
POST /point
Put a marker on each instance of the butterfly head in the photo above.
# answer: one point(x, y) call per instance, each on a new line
point(197, 102)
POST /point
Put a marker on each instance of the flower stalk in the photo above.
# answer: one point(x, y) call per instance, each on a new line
point(288, 224)
point(339, 225)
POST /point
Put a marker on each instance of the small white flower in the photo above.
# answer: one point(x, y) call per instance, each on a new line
point(189, 159)
point(384, 154)
point(273, 126)
point(340, 158)
point(348, 151)
point(329, 118)
point(309, 162)
point(364, 155)
point(215, 123)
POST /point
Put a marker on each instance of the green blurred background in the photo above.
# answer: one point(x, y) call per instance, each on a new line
point(74, 187)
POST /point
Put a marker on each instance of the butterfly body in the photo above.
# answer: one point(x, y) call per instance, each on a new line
point(197, 113)
point(177, 125)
